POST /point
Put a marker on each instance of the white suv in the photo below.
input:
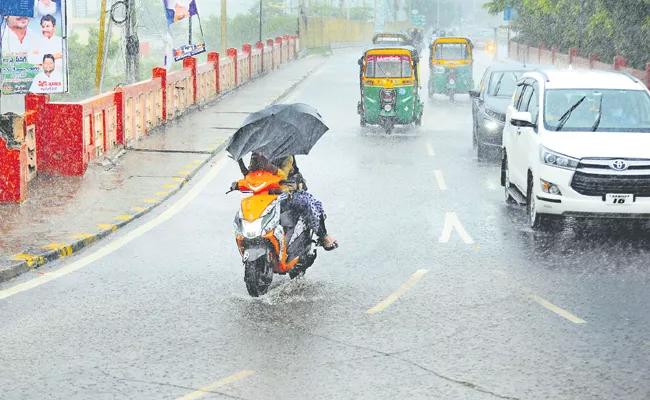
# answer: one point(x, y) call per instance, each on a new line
point(577, 143)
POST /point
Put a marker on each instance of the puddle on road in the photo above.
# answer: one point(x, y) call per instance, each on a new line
point(287, 291)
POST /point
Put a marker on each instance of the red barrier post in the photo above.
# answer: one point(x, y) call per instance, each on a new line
point(278, 41)
point(213, 57)
point(232, 53)
point(119, 117)
point(190, 63)
point(554, 51)
point(619, 62)
point(647, 75)
point(248, 49)
point(271, 43)
point(593, 59)
point(260, 47)
point(161, 73)
point(13, 170)
point(573, 53)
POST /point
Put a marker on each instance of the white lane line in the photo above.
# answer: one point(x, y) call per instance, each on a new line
point(395, 295)
point(211, 388)
point(430, 149)
point(543, 302)
point(441, 180)
point(452, 222)
point(122, 241)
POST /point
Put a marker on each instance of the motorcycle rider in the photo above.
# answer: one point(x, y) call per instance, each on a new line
point(299, 198)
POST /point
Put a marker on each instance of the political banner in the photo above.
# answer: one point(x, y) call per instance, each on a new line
point(34, 50)
point(183, 26)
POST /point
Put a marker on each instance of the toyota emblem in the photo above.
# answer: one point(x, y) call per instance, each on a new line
point(619, 165)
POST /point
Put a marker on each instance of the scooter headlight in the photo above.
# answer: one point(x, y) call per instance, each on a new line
point(251, 230)
point(388, 107)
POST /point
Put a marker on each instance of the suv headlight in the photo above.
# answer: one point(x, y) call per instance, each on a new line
point(553, 159)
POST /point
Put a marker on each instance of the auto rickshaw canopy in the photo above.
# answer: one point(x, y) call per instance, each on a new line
point(451, 50)
point(390, 38)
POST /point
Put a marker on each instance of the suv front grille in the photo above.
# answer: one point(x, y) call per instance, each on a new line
point(595, 177)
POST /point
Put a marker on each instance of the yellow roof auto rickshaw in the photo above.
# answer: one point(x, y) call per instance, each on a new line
point(390, 87)
point(390, 39)
point(451, 66)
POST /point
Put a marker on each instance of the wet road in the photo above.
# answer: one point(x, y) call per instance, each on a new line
point(488, 308)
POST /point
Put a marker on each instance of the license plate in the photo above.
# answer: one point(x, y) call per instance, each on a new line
point(619, 199)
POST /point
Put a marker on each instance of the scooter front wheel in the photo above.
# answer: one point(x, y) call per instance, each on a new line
point(258, 276)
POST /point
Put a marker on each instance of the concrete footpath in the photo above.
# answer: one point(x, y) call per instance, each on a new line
point(65, 214)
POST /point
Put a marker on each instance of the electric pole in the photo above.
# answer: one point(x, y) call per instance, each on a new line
point(224, 28)
point(132, 44)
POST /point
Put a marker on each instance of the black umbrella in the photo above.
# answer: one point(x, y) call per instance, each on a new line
point(278, 131)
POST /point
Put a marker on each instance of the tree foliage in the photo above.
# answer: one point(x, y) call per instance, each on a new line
point(608, 27)
point(81, 67)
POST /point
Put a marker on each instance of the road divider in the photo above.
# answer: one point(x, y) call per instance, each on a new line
point(218, 384)
point(399, 292)
point(453, 223)
point(541, 301)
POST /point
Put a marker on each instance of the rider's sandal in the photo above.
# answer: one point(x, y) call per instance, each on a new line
point(329, 243)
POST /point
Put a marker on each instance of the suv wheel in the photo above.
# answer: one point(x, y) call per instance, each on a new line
point(535, 220)
point(505, 170)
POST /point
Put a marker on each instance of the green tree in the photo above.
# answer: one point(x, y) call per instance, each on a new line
point(607, 27)
point(81, 67)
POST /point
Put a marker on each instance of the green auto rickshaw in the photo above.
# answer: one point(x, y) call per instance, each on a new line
point(451, 67)
point(390, 87)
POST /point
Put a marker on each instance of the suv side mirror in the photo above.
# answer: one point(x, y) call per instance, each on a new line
point(360, 62)
point(522, 120)
point(475, 94)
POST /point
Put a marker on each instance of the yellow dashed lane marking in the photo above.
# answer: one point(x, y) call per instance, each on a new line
point(170, 186)
point(197, 161)
point(178, 179)
point(391, 299)
point(124, 217)
point(190, 166)
point(430, 149)
point(103, 227)
point(211, 388)
point(161, 193)
point(138, 208)
point(543, 302)
point(154, 201)
point(184, 173)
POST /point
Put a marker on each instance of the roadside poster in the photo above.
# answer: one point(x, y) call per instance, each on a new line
point(185, 35)
point(34, 48)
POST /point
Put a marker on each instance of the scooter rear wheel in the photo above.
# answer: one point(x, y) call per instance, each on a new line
point(258, 276)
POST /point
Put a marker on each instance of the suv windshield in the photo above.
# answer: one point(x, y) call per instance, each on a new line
point(451, 51)
point(600, 110)
point(503, 84)
point(388, 67)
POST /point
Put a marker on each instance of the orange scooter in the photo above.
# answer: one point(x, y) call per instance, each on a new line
point(270, 239)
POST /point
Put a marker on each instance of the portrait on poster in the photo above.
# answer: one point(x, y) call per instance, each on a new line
point(33, 50)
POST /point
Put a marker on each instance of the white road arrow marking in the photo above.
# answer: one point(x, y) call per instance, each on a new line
point(451, 222)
